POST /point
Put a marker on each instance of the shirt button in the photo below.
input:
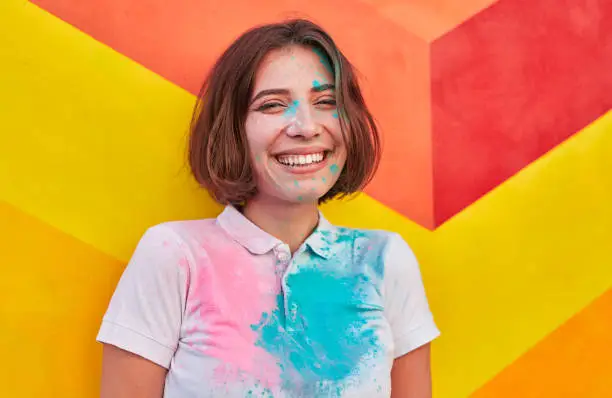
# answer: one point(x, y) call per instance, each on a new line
point(293, 312)
point(282, 257)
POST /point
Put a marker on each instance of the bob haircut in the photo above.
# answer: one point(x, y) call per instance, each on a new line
point(218, 150)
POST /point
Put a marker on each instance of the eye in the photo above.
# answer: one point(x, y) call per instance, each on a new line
point(269, 106)
point(327, 102)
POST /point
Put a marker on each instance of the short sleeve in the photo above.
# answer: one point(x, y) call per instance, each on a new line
point(145, 312)
point(406, 305)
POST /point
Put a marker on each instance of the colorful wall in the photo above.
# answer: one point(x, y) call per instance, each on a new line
point(497, 169)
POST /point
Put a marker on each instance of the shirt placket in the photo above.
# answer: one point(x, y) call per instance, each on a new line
point(285, 265)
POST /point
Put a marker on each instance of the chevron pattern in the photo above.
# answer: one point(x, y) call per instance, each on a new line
point(498, 130)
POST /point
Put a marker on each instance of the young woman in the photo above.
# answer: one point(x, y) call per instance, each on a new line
point(269, 299)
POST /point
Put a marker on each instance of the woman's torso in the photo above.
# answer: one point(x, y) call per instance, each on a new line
point(257, 322)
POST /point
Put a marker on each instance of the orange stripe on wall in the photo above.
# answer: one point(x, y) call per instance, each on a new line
point(573, 361)
point(54, 290)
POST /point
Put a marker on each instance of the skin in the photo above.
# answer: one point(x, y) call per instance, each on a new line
point(411, 374)
point(298, 113)
point(292, 109)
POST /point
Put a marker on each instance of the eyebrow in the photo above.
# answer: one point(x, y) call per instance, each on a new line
point(322, 87)
point(283, 91)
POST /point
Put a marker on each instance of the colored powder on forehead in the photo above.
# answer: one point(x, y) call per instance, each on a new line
point(324, 59)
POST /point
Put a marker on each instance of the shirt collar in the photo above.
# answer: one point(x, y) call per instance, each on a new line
point(243, 231)
point(320, 240)
point(257, 241)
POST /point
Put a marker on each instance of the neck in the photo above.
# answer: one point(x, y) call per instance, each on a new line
point(290, 222)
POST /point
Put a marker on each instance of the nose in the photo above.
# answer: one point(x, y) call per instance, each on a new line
point(302, 122)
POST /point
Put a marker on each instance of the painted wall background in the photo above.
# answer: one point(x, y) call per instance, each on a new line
point(497, 169)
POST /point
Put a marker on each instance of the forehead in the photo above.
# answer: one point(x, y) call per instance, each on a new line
point(292, 66)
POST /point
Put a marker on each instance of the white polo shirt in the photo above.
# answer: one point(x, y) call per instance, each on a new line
point(227, 309)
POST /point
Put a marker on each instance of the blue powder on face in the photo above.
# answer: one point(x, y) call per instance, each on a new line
point(296, 183)
point(292, 109)
point(333, 168)
point(324, 59)
point(315, 83)
point(299, 198)
point(335, 115)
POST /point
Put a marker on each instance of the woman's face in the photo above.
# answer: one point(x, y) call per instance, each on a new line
point(292, 126)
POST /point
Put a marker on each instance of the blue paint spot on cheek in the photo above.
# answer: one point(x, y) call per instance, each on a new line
point(315, 83)
point(300, 198)
point(296, 183)
point(333, 168)
point(323, 179)
point(335, 115)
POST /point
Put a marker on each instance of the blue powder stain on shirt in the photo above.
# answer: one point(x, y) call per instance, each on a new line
point(331, 333)
point(331, 338)
point(292, 109)
point(333, 168)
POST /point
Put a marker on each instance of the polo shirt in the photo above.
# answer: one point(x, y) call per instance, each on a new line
point(231, 312)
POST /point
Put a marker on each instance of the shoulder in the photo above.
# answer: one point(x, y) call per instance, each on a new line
point(185, 231)
point(384, 250)
point(385, 243)
point(172, 242)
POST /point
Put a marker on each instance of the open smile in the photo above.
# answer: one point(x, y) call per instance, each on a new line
point(303, 162)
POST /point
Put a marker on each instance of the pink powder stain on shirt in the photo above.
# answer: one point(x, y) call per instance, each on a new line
point(230, 293)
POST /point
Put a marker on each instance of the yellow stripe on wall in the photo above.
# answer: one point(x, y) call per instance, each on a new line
point(92, 142)
point(54, 290)
point(574, 361)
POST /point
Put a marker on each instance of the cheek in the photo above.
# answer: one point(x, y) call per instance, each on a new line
point(260, 134)
point(339, 140)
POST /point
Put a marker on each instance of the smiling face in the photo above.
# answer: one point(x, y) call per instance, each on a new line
point(292, 127)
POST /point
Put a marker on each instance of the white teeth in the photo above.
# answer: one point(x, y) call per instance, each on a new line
point(302, 160)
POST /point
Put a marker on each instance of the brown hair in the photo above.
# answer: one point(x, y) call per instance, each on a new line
point(218, 149)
